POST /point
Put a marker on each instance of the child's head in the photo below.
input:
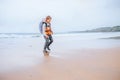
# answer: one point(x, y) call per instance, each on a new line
point(48, 19)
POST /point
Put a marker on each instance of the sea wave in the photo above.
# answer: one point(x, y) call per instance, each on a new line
point(80, 35)
point(18, 35)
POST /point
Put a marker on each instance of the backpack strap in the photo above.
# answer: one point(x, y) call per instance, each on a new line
point(45, 24)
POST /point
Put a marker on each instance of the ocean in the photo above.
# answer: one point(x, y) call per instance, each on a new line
point(98, 35)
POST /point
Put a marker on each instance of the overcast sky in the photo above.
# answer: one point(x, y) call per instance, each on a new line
point(67, 15)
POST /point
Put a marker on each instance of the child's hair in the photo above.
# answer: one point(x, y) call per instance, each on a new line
point(48, 17)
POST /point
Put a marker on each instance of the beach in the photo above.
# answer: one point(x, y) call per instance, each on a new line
point(72, 57)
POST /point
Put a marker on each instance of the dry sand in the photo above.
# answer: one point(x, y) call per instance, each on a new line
point(63, 63)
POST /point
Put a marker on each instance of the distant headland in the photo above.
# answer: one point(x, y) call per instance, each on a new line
point(101, 29)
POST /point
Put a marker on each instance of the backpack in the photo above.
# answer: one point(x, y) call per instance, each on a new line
point(41, 26)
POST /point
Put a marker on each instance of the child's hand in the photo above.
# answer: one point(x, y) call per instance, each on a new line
point(46, 36)
point(52, 32)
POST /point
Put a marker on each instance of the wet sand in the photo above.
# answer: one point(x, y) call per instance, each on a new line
point(27, 62)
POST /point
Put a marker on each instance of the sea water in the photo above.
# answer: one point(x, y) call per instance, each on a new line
point(80, 35)
point(74, 40)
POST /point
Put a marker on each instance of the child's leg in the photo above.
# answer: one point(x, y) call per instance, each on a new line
point(46, 43)
point(51, 40)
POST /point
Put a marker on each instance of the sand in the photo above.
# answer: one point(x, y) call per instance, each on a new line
point(22, 59)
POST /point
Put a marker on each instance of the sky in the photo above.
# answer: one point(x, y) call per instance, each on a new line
point(67, 15)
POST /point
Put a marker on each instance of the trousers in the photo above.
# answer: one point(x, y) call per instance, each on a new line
point(48, 41)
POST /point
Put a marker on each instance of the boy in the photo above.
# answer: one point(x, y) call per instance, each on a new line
point(47, 33)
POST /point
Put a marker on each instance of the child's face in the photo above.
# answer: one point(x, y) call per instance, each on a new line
point(48, 20)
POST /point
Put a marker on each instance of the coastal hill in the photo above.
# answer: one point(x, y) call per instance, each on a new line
point(105, 29)
point(102, 29)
